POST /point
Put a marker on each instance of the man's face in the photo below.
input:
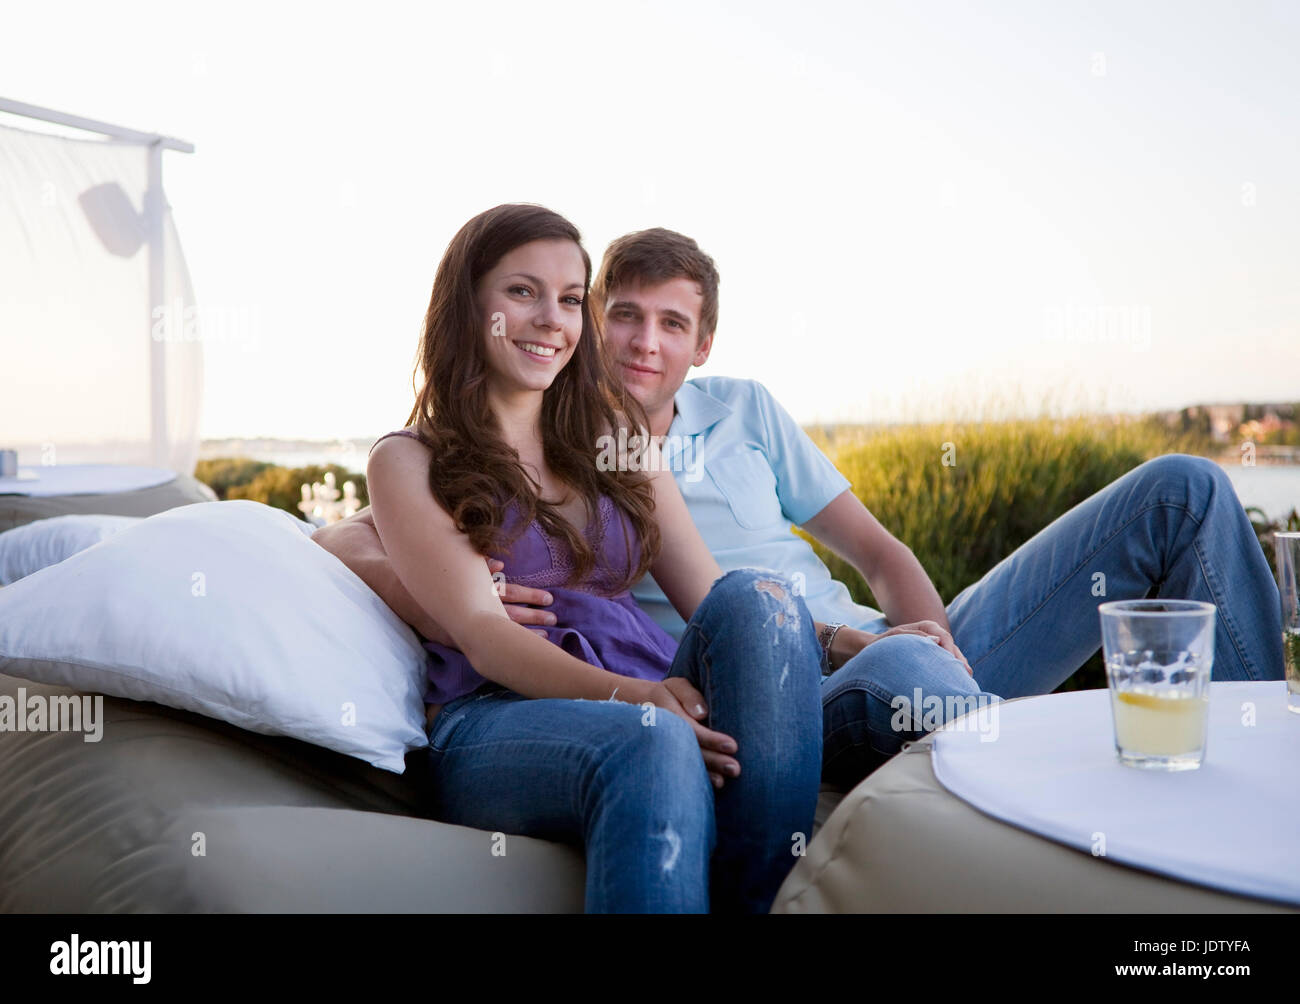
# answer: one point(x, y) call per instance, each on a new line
point(652, 332)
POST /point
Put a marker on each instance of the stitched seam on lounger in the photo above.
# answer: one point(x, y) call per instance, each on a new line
point(839, 844)
point(835, 851)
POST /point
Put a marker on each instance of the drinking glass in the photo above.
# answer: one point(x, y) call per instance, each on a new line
point(1287, 547)
point(1159, 654)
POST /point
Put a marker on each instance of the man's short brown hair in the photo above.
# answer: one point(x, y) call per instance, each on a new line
point(654, 256)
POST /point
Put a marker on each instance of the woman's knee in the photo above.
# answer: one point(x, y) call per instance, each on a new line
point(760, 618)
point(759, 594)
point(741, 583)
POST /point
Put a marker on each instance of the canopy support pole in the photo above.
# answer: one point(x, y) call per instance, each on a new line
point(159, 324)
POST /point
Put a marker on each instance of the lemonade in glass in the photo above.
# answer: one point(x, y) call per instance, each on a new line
point(1159, 656)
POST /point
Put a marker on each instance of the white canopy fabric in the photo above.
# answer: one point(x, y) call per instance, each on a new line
point(91, 370)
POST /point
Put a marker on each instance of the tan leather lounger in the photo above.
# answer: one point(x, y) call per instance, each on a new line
point(287, 827)
point(18, 510)
point(291, 827)
point(900, 843)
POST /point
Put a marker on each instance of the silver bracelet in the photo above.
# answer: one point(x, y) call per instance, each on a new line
point(826, 636)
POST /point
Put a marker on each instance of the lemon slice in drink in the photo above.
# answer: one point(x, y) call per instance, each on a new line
point(1159, 702)
point(1160, 724)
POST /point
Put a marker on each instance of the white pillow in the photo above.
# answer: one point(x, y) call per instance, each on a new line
point(43, 542)
point(227, 609)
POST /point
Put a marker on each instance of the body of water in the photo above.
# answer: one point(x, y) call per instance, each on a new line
point(1275, 488)
point(351, 454)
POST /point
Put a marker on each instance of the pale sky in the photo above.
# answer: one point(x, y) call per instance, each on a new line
point(911, 204)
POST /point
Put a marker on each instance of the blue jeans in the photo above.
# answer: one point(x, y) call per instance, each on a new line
point(1172, 526)
point(628, 783)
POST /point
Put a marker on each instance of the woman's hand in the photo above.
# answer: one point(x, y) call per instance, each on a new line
point(933, 630)
point(676, 694)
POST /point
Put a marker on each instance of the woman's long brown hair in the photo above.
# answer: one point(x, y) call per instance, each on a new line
point(474, 474)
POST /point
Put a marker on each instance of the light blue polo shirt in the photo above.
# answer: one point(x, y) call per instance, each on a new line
point(749, 474)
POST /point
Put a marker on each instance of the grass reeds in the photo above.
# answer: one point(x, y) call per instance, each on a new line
point(963, 494)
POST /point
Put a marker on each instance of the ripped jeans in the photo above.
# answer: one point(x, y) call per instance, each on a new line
point(628, 784)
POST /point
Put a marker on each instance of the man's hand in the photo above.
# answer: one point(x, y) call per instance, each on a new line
point(933, 630)
point(676, 694)
point(514, 597)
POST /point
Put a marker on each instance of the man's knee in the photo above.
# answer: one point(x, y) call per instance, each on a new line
point(899, 661)
point(1182, 469)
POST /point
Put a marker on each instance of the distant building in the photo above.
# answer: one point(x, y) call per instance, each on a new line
point(1225, 420)
point(1258, 429)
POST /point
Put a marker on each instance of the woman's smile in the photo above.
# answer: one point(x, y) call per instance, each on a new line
point(539, 351)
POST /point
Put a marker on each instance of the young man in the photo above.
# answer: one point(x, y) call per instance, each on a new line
point(748, 473)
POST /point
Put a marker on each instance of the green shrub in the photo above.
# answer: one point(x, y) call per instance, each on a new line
point(1265, 528)
point(241, 478)
point(1008, 480)
point(282, 486)
point(223, 473)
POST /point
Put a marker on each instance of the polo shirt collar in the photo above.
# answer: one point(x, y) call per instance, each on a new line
point(697, 410)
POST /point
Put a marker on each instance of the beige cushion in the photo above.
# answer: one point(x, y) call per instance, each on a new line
point(900, 843)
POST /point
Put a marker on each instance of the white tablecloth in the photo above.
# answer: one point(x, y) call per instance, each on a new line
point(84, 479)
point(1233, 824)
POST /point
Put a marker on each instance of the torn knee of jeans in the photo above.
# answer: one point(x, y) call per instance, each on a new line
point(788, 613)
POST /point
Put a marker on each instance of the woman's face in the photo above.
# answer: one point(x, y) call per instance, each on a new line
point(530, 306)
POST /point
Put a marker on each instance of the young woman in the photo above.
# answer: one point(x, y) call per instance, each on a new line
point(606, 732)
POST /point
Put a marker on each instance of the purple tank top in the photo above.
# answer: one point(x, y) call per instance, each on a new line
point(593, 622)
